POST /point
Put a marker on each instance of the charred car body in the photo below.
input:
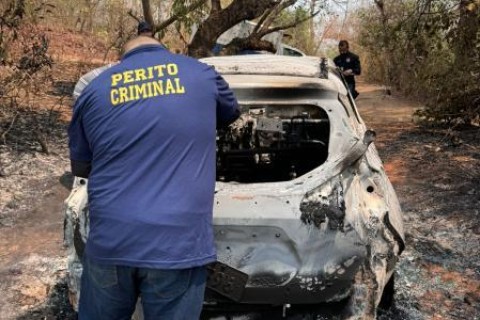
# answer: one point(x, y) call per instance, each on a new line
point(304, 212)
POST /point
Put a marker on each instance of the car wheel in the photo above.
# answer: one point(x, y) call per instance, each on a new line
point(361, 303)
point(77, 241)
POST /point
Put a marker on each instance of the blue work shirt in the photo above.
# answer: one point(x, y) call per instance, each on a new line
point(148, 127)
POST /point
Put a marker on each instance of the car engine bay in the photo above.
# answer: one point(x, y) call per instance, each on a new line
point(272, 143)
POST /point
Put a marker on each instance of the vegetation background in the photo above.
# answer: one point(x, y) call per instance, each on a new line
point(426, 49)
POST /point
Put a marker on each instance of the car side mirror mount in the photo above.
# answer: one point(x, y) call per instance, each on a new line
point(369, 137)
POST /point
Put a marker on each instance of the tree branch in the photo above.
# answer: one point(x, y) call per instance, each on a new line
point(175, 17)
point(134, 16)
point(210, 29)
point(262, 20)
point(216, 6)
point(185, 42)
point(273, 14)
point(4, 133)
point(147, 12)
point(286, 26)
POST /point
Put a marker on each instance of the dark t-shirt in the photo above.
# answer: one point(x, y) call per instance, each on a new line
point(148, 126)
point(347, 61)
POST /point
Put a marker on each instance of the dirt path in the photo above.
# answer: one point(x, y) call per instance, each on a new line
point(436, 174)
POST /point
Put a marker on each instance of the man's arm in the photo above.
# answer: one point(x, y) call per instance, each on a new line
point(81, 168)
point(336, 61)
point(356, 68)
point(227, 104)
point(80, 153)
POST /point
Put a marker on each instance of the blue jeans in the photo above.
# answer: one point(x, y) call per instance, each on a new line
point(110, 292)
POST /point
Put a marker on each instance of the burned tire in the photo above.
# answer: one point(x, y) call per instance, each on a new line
point(361, 303)
point(388, 294)
point(78, 241)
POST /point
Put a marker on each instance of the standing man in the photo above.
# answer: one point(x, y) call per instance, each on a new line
point(349, 64)
point(143, 132)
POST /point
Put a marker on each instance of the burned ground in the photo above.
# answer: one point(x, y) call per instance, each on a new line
point(436, 173)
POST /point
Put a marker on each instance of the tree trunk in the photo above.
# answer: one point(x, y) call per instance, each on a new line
point(468, 27)
point(147, 12)
point(218, 22)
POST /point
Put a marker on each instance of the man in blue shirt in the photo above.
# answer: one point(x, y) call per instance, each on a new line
point(349, 64)
point(143, 132)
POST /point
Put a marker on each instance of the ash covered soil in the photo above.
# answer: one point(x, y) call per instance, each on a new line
point(436, 174)
point(435, 171)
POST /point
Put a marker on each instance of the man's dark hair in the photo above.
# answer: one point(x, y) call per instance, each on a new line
point(343, 43)
point(144, 27)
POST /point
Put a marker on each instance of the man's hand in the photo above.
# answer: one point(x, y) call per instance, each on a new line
point(348, 72)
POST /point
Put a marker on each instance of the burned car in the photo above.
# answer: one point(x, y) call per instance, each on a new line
point(304, 212)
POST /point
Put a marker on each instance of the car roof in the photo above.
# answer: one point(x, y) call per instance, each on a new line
point(275, 71)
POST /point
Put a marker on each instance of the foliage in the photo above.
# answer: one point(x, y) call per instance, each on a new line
point(212, 18)
point(428, 49)
point(26, 69)
point(175, 20)
point(299, 36)
point(117, 27)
